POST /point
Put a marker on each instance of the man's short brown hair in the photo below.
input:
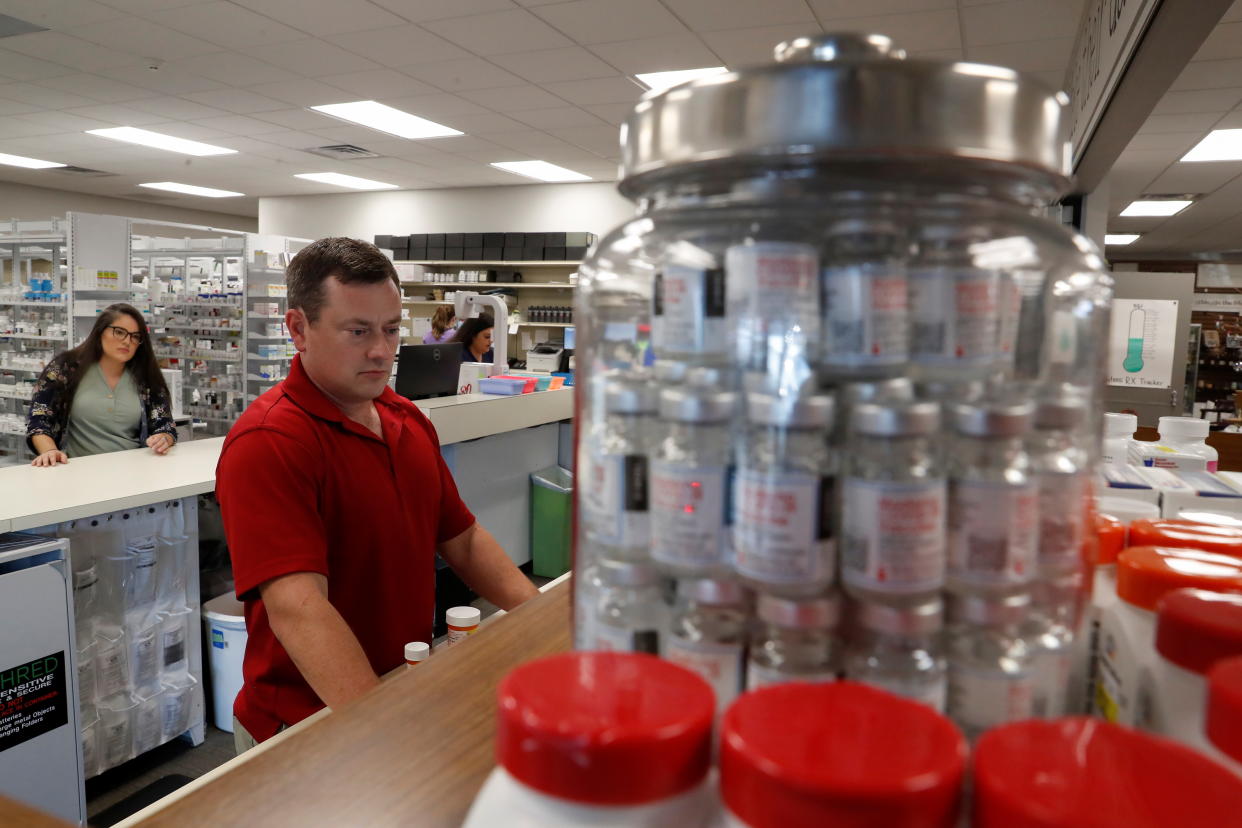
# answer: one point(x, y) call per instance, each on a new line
point(351, 261)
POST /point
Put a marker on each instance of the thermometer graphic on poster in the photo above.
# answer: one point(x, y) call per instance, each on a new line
point(1142, 343)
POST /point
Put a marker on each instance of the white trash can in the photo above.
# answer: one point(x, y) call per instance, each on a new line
point(225, 620)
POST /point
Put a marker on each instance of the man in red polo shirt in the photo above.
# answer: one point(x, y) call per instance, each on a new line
point(335, 502)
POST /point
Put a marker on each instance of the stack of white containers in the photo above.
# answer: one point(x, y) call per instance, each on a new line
point(133, 619)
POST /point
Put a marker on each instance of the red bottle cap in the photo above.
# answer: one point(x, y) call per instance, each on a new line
point(605, 728)
point(1227, 540)
point(841, 754)
point(1195, 628)
point(1146, 573)
point(1112, 537)
point(1224, 708)
point(1086, 773)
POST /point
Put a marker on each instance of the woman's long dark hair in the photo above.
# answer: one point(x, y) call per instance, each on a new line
point(472, 328)
point(143, 365)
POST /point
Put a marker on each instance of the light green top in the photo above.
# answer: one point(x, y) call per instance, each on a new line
point(103, 419)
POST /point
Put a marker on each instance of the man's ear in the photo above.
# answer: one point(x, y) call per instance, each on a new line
point(297, 323)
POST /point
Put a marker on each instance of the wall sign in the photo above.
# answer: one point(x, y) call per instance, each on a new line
point(1217, 302)
point(1142, 342)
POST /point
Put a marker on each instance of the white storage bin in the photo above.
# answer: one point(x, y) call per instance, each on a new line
point(225, 619)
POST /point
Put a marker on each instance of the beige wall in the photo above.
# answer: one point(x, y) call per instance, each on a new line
point(26, 202)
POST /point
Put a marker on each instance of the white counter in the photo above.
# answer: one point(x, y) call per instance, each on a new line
point(31, 497)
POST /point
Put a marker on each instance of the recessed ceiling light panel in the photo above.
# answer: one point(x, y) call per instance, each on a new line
point(540, 171)
point(158, 140)
point(1156, 207)
point(1118, 239)
point(350, 181)
point(378, 116)
point(1219, 145)
point(659, 81)
point(190, 189)
point(28, 163)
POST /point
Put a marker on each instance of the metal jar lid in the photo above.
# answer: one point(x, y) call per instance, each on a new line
point(912, 619)
point(896, 419)
point(850, 97)
point(1060, 412)
point(695, 406)
point(992, 420)
point(628, 573)
point(889, 390)
point(712, 591)
point(629, 397)
point(989, 610)
point(798, 412)
point(799, 613)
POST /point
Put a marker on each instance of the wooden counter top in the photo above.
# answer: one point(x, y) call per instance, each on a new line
point(414, 751)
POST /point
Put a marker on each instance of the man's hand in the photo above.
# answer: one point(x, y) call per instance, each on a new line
point(160, 443)
point(478, 558)
point(50, 458)
point(321, 644)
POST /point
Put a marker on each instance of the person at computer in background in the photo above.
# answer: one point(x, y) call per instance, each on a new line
point(442, 329)
point(336, 501)
point(475, 336)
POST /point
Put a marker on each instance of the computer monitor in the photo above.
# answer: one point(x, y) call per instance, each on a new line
point(428, 370)
point(569, 338)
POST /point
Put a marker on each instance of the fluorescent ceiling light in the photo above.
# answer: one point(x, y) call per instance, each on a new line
point(1156, 207)
point(158, 140)
point(1120, 238)
point(659, 81)
point(351, 181)
point(540, 170)
point(386, 119)
point(28, 163)
point(190, 189)
point(1219, 145)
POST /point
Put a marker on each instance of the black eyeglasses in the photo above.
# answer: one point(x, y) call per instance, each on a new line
point(120, 334)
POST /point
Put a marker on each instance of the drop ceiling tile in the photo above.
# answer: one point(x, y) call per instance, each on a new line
point(564, 116)
point(41, 96)
point(437, 106)
point(749, 47)
point(605, 21)
point(481, 123)
point(714, 15)
point(500, 33)
point(143, 39)
point(1031, 56)
point(195, 132)
point(513, 98)
point(1016, 22)
point(1179, 123)
point(595, 139)
point(14, 127)
point(1198, 100)
point(533, 141)
point(1173, 142)
point(71, 51)
point(292, 139)
point(233, 69)
point(417, 11)
point(166, 79)
point(177, 109)
point(1208, 74)
point(21, 67)
point(240, 101)
point(657, 54)
point(569, 63)
point(913, 31)
point(118, 115)
point(239, 125)
point(8, 107)
point(311, 57)
point(616, 89)
point(1225, 41)
point(1234, 14)
point(325, 18)
point(460, 75)
point(226, 24)
point(302, 93)
point(398, 46)
point(333, 131)
point(97, 88)
point(613, 113)
point(298, 119)
point(1231, 121)
point(1196, 178)
point(62, 121)
point(59, 14)
point(379, 83)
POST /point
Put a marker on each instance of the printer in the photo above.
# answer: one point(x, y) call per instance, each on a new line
point(546, 357)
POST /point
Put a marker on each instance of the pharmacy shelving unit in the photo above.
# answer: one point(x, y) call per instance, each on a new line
point(269, 351)
point(545, 283)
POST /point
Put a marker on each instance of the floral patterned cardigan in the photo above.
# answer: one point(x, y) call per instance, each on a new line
point(49, 413)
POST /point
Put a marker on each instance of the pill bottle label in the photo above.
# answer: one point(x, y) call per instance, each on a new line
point(758, 676)
point(617, 502)
point(933, 692)
point(980, 699)
point(456, 634)
point(866, 316)
point(688, 311)
point(783, 527)
point(687, 514)
point(954, 315)
point(993, 532)
point(625, 639)
point(893, 535)
point(1061, 519)
point(720, 665)
point(1052, 672)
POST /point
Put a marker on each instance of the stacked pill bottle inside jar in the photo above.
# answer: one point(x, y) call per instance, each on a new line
point(838, 385)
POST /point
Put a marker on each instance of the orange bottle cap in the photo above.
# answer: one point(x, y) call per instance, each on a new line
point(1111, 534)
point(1146, 573)
point(1226, 540)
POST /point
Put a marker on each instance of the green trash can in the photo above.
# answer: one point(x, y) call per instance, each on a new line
point(551, 520)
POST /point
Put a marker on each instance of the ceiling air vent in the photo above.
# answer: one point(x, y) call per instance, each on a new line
point(85, 172)
point(343, 152)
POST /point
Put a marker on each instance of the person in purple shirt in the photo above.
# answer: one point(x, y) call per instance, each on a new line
point(442, 328)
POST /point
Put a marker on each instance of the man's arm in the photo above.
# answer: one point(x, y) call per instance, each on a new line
point(478, 558)
point(321, 644)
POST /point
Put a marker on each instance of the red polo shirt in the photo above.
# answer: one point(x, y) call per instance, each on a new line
point(302, 488)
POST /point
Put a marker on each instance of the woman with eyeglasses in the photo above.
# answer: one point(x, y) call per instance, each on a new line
point(105, 395)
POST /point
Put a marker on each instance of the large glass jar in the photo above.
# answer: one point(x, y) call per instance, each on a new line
point(781, 212)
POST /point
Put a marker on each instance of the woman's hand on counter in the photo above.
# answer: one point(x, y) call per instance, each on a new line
point(160, 443)
point(50, 458)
